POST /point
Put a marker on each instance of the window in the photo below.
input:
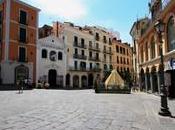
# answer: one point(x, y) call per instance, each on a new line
point(117, 49)
point(90, 65)
point(22, 54)
point(53, 56)
point(83, 65)
point(171, 34)
point(44, 53)
point(90, 54)
point(97, 46)
point(110, 58)
point(82, 42)
point(121, 60)
point(104, 57)
point(124, 51)
point(23, 17)
point(75, 64)
point(82, 52)
point(22, 35)
point(104, 48)
point(75, 40)
point(60, 56)
point(90, 43)
point(121, 50)
point(146, 51)
point(76, 51)
point(97, 56)
point(105, 67)
point(124, 61)
point(104, 39)
point(117, 59)
point(110, 50)
point(110, 42)
point(97, 37)
point(152, 49)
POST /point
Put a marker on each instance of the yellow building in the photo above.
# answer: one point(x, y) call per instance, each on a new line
point(122, 58)
point(149, 48)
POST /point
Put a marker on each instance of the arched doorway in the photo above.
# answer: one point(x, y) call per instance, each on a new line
point(75, 81)
point(52, 77)
point(90, 80)
point(67, 80)
point(84, 82)
point(154, 79)
point(148, 79)
point(21, 73)
point(142, 80)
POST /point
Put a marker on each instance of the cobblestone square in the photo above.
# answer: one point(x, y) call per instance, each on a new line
point(81, 110)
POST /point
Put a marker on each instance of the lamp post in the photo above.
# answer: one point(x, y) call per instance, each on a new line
point(164, 110)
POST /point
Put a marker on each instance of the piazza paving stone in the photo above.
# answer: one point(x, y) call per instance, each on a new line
point(82, 110)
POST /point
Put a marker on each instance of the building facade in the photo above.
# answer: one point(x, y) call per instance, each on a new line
point(19, 33)
point(149, 49)
point(89, 53)
point(51, 61)
point(122, 59)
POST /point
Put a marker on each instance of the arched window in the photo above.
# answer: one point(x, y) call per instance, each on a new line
point(60, 56)
point(171, 34)
point(146, 51)
point(44, 53)
point(153, 54)
point(53, 56)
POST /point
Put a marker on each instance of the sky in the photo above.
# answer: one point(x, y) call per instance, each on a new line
point(118, 15)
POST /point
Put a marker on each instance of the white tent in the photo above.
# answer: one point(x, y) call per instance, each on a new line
point(114, 80)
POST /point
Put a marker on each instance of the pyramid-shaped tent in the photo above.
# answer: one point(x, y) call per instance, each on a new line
point(114, 80)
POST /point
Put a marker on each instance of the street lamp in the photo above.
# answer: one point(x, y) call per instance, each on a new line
point(164, 110)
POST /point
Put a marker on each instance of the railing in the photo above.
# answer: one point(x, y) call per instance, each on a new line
point(82, 69)
point(107, 51)
point(94, 59)
point(77, 56)
point(94, 48)
point(80, 45)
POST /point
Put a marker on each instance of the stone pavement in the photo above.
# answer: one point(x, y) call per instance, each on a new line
point(81, 110)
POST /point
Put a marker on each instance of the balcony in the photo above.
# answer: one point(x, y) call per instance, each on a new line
point(93, 48)
point(77, 56)
point(107, 52)
point(23, 60)
point(94, 59)
point(81, 69)
point(79, 45)
point(95, 69)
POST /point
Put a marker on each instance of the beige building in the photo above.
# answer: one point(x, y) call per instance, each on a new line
point(89, 52)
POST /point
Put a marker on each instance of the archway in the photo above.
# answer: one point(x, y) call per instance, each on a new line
point(142, 80)
point(75, 81)
point(21, 73)
point(52, 77)
point(84, 82)
point(154, 79)
point(148, 79)
point(90, 80)
point(68, 80)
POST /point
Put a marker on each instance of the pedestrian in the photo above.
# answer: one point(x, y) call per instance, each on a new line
point(21, 83)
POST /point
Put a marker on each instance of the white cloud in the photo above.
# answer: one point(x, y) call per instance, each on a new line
point(66, 9)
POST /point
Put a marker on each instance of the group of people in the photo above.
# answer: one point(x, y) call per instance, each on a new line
point(21, 84)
